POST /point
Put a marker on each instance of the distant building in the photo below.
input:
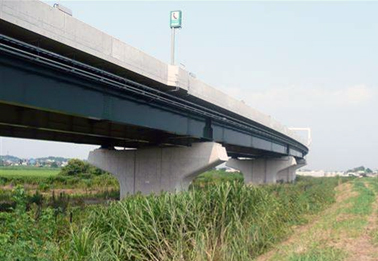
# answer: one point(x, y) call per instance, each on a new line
point(32, 162)
point(311, 173)
point(320, 173)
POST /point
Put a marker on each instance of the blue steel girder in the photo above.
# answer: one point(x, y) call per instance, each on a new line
point(53, 83)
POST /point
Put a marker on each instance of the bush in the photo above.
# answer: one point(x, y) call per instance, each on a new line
point(76, 167)
point(43, 186)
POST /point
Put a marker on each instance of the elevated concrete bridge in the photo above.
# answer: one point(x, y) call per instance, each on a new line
point(63, 80)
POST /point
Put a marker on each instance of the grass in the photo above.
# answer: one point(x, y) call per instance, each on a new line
point(333, 235)
point(46, 179)
point(214, 220)
point(374, 232)
point(319, 254)
point(362, 204)
point(17, 172)
point(35, 180)
point(216, 177)
point(229, 221)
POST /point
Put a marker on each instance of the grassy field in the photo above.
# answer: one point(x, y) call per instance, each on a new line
point(219, 218)
point(46, 179)
point(28, 172)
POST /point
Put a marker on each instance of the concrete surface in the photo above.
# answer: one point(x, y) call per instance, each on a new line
point(289, 174)
point(153, 170)
point(49, 22)
point(261, 171)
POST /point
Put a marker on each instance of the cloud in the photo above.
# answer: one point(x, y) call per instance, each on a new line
point(358, 94)
point(296, 96)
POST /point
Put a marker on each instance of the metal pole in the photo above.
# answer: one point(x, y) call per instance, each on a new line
point(172, 46)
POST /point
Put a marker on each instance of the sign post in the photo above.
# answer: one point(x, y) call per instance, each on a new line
point(175, 22)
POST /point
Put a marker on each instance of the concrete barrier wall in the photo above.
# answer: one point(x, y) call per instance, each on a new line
point(47, 21)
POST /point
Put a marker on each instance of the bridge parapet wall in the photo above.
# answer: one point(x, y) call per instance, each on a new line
point(49, 22)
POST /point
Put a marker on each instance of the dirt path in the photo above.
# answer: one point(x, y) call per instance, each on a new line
point(362, 248)
point(340, 232)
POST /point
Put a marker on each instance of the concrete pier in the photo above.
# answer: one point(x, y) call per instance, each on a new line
point(260, 171)
point(289, 174)
point(152, 170)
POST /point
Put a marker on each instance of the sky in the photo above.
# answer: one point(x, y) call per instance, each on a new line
point(307, 64)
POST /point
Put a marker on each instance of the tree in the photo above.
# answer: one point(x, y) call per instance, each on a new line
point(368, 170)
point(75, 167)
point(54, 165)
point(361, 168)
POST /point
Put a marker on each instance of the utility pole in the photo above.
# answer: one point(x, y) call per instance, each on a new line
point(175, 22)
point(173, 46)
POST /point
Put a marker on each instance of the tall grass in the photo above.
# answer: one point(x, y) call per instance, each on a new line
point(230, 221)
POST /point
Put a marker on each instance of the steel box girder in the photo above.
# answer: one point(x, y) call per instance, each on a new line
point(28, 84)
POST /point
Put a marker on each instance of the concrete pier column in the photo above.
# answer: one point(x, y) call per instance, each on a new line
point(289, 174)
point(152, 170)
point(260, 171)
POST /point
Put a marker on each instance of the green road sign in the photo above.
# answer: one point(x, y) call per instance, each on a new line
point(176, 19)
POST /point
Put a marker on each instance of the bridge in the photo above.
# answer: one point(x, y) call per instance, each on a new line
point(63, 80)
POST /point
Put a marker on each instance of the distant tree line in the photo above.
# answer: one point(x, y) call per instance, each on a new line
point(361, 168)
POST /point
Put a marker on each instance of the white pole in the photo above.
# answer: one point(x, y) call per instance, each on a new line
point(172, 46)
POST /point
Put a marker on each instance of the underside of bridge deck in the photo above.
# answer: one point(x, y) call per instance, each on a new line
point(24, 122)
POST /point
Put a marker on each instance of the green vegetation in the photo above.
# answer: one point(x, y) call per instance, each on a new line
point(362, 204)
point(374, 232)
point(18, 172)
point(222, 221)
point(78, 167)
point(348, 230)
point(360, 169)
point(31, 232)
point(42, 183)
point(319, 254)
point(77, 174)
point(55, 182)
point(216, 177)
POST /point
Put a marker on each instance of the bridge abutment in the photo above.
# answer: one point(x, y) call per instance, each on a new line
point(260, 171)
point(152, 170)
